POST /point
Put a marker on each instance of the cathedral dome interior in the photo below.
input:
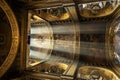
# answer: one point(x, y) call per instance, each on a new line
point(59, 39)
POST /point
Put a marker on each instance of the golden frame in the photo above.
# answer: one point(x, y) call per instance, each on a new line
point(15, 38)
point(105, 11)
point(88, 72)
point(110, 49)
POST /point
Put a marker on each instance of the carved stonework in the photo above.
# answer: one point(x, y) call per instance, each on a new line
point(98, 9)
point(113, 44)
point(95, 73)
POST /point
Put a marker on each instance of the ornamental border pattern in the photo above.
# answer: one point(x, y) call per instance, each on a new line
point(15, 38)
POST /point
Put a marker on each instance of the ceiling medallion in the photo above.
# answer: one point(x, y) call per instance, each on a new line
point(52, 14)
point(96, 73)
point(98, 9)
point(114, 41)
point(113, 44)
point(117, 43)
point(11, 54)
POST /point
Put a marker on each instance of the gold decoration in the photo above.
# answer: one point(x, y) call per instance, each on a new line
point(96, 73)
point(15, 38)
point(112, 56)
point(98, 9)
